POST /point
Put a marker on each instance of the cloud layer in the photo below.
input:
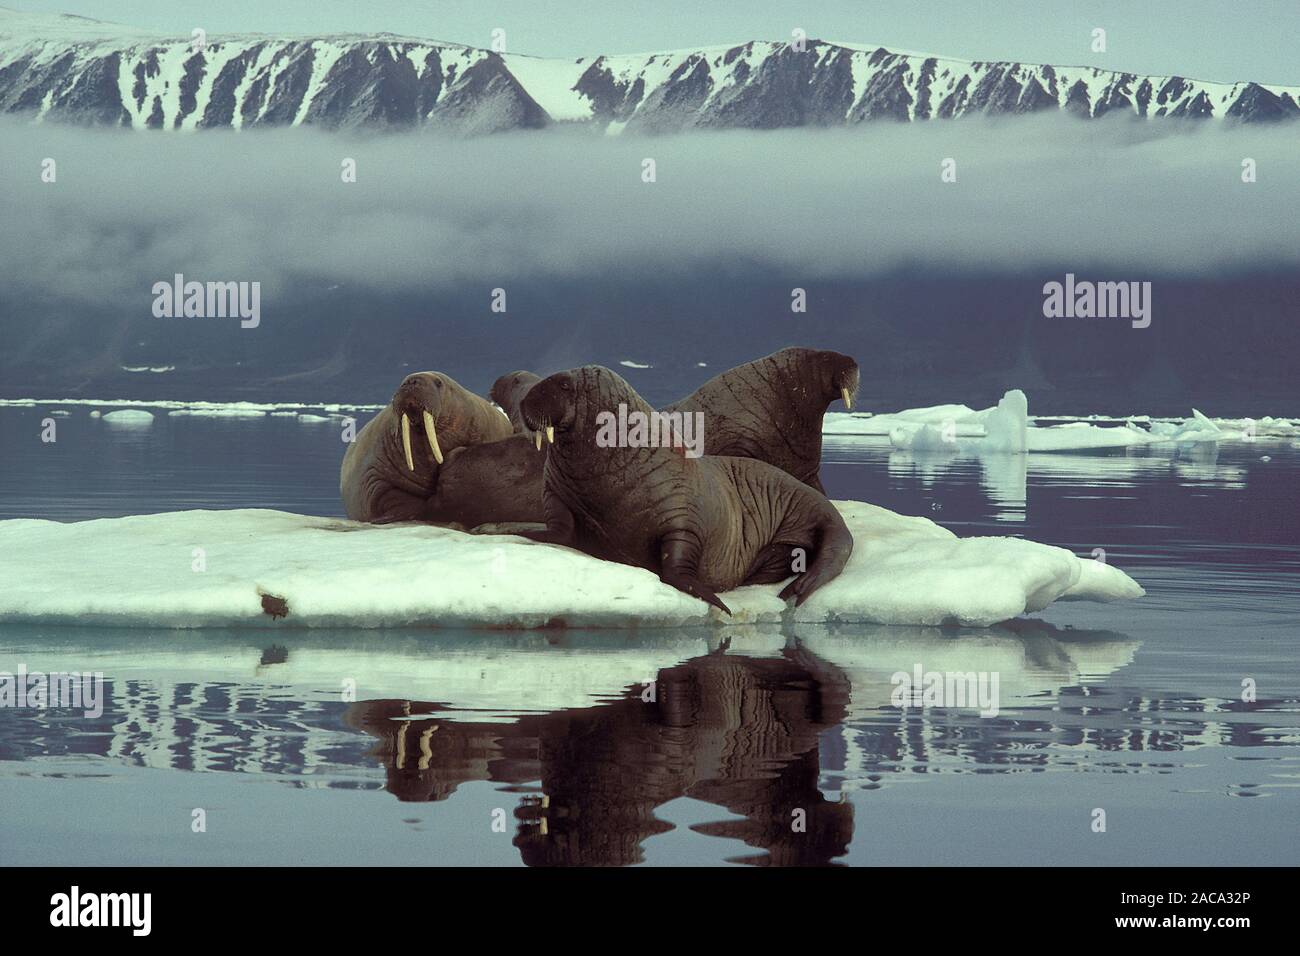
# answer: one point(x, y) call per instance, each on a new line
point(129, 209)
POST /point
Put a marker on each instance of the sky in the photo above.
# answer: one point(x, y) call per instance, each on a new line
point(1225, 40)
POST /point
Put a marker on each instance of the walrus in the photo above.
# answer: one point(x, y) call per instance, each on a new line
point(391, 468)
point(509, 390)
point(495, 484)
point(703, 524)
point(771, 409)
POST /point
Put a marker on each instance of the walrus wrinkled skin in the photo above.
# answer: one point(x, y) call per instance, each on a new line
point(509, 390)
point(392, 467)
point(771, 409)
point(703, 525)
point(499, 482)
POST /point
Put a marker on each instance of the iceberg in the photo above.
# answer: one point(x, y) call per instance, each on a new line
point(129, 418)
point(1002, 428)
point(199, 569)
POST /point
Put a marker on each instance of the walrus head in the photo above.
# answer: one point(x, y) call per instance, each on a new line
point(433, 414)
point(843, 377)
point(509, 390)
point(571, 401)
point(416, 405)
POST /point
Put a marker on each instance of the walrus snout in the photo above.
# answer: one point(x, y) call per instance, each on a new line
point(845, 378)
point(548, 405)
point(419, 391)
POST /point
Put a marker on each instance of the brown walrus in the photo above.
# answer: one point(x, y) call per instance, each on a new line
point(392, 467)
point(771, 409)
point(509, 390)
point(703, 524)
point(497, 483)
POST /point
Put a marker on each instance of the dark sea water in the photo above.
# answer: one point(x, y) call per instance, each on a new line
point(772, 747)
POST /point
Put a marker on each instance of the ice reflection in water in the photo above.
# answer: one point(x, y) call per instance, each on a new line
point(590, 733)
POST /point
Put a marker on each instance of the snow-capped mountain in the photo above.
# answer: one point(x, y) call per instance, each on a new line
point(84, 71)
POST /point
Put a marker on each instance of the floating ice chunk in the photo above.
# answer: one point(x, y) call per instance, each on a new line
point(965, 418)
point(628, 363)
point(129, 418)
point(1077, 436)
point(1006, 425)
point(144, 571)
point(1006, 429)
point(1198, 428)
point(998, 429)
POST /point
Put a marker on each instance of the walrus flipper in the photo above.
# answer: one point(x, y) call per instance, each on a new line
point(833, 544)
point(679, 561)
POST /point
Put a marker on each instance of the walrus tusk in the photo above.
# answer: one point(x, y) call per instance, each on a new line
point(550, 434)
point(431, 433)
point(848, 399)
point(406, 441)
point(538, 436)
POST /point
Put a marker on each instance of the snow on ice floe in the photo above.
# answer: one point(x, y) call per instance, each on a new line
point(145, 571)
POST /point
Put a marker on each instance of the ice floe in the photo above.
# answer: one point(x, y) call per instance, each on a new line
point(1007, 428)
point(130, 417)
point(213, 568)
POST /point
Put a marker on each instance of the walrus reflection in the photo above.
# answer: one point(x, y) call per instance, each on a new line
point(739, 732)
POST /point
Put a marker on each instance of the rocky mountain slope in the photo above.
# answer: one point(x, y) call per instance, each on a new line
point(83, 71)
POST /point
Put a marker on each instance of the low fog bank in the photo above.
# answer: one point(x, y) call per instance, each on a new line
point(936, 287)
point(130, 208)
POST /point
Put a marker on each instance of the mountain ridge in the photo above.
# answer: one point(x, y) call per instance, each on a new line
point(84, 71)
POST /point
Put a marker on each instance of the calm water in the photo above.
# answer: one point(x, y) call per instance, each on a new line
point(540, 749)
